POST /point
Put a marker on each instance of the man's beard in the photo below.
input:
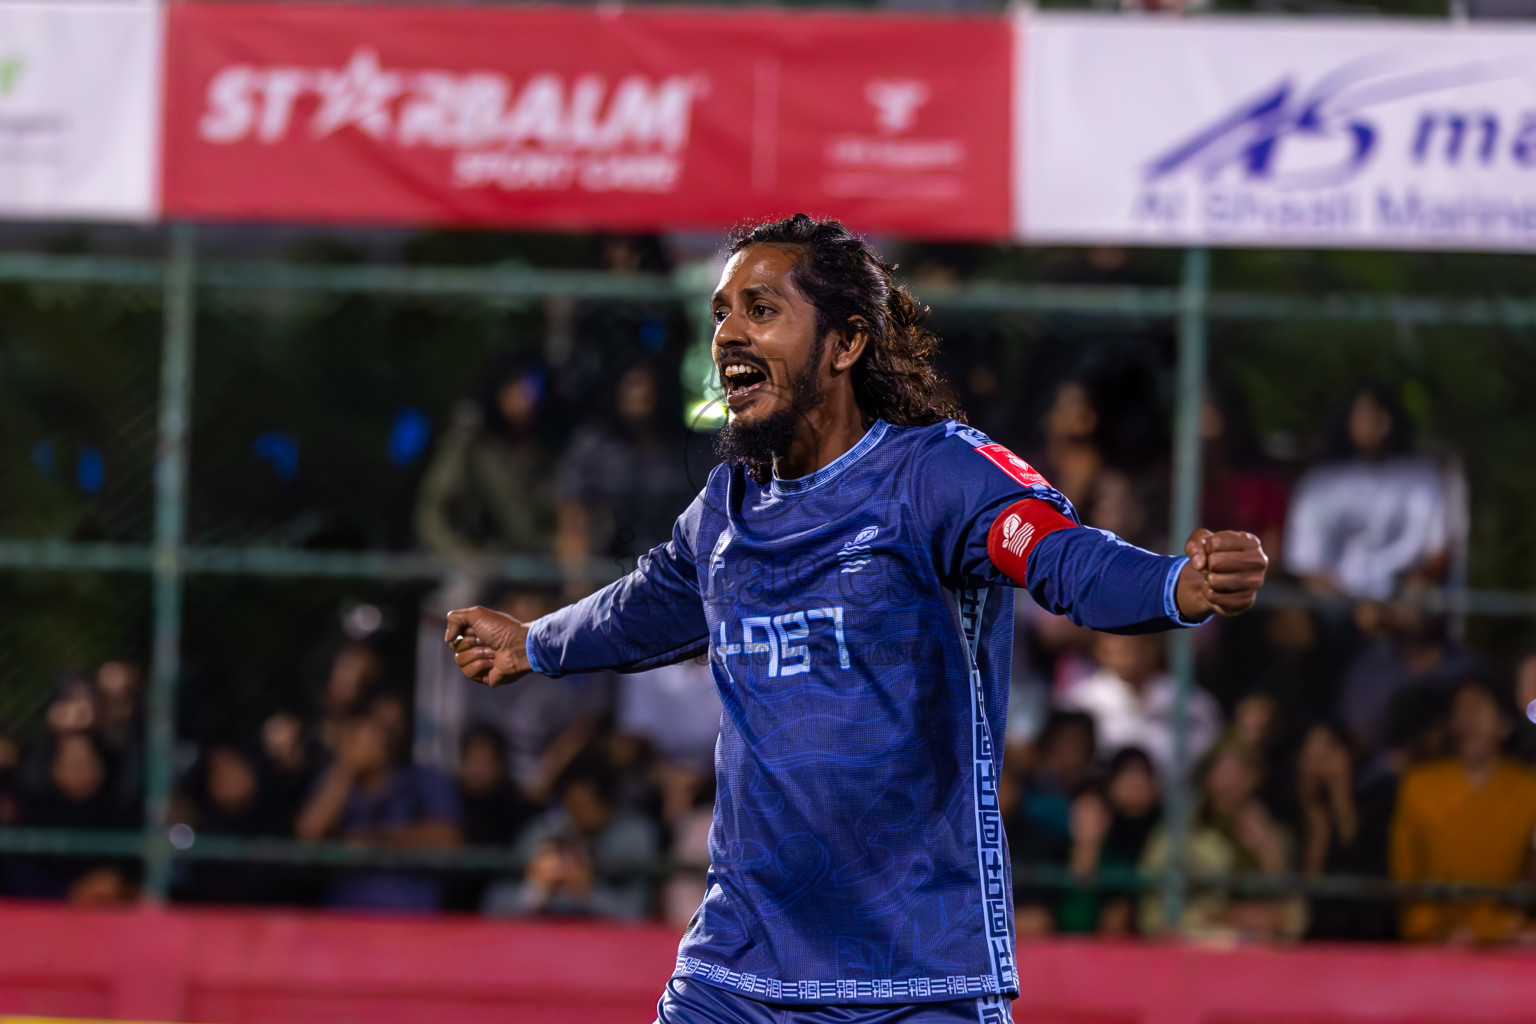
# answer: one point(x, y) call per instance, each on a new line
point(757, 444)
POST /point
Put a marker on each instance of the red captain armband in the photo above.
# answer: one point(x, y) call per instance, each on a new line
point(1016, 531)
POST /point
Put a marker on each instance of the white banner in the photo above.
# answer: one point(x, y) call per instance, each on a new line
point(80, 110)
point(1256, 131)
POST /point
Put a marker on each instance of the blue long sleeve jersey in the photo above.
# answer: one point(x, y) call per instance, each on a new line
point(861, 640)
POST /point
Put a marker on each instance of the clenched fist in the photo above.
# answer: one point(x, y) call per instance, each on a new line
point(488, 646)
point(1224, 574)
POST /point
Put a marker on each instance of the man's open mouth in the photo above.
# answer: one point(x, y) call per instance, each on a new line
point(741, 379)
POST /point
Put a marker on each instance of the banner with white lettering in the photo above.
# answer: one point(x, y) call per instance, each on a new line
point(1268, 132)
point(79, 110)
point(586, 118)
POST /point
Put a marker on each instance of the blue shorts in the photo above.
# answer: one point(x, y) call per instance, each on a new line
point(687, 1001)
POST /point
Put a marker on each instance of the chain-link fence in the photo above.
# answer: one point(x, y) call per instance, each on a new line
point(151, 452)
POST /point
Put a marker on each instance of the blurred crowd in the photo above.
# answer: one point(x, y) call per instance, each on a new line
point(1343, 728)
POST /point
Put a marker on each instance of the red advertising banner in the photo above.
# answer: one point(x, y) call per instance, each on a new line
point(584, 118)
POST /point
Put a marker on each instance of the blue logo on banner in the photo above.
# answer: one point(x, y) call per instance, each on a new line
point(1319, 137)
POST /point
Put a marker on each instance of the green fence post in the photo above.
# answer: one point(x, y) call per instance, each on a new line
point(1183, 518)
point(170, 521)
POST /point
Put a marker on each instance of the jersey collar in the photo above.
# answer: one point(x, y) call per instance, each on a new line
point(800, 484)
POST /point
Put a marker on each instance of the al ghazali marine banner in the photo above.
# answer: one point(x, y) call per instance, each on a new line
point(79, 110)
point(1256, 131)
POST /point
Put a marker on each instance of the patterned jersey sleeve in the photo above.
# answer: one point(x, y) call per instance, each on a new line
point(652, 617)
point(970, 485)
point(964, 482)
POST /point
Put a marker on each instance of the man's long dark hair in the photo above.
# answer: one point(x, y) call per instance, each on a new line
point(843, 277)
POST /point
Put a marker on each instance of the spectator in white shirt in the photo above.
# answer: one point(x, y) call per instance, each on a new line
point(1131, 701)
point(1372, 515)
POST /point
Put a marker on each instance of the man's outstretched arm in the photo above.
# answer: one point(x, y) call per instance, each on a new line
point(1102, 582)
point(654, 616)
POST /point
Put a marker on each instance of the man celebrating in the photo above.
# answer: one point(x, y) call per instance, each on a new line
point(850, 569)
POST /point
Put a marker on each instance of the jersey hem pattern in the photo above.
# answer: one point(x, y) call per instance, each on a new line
point(807, 991)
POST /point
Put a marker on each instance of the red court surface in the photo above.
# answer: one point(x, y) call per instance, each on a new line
point(300, 967)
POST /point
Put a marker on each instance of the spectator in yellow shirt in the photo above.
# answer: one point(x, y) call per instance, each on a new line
point(1470, 818)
